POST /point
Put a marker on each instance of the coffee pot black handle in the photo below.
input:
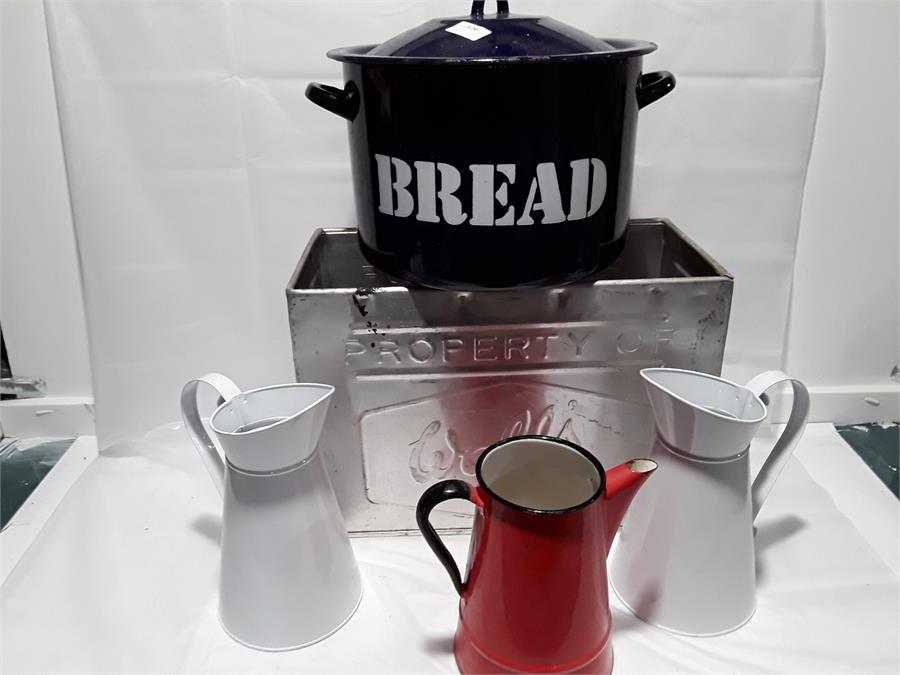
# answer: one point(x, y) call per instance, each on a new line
point(478, 8)
point(653, 86)
point(343, 102)
point(437, 493)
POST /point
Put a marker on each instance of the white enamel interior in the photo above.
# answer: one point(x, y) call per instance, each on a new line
point(540, 474)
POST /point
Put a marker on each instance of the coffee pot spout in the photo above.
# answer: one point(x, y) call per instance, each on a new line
point(622, 484)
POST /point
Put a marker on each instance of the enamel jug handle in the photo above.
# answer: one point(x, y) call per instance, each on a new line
point(437, 493)
point(209, 453)
point(784, 446)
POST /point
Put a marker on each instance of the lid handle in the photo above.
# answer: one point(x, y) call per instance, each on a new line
point(478, 8)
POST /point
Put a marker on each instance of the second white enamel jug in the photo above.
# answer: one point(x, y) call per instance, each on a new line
point(289, 577)
point(684, 560)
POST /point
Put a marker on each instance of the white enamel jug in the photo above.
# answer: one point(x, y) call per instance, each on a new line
point(288, 577)
point(684, 560)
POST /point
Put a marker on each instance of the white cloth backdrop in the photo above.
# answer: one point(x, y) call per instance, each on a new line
point(198, 170)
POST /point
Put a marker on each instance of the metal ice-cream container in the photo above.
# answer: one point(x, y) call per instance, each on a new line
point(426, 379)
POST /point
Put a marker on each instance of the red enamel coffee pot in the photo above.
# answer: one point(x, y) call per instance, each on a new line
point(535, 596)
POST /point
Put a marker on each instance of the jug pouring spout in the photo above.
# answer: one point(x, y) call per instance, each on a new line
point(622, 484)
point(702, 415)
point(263, 431)
point(706, 417)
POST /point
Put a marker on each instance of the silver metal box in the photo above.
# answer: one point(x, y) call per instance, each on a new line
point(426, 379)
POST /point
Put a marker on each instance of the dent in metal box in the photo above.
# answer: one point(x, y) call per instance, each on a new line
point(426, 379)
